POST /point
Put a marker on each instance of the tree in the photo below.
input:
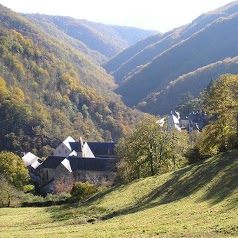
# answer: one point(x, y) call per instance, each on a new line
point(222, 107)
point(82, 190)
point(13, 169)
point(8, 193)
point(150, 149)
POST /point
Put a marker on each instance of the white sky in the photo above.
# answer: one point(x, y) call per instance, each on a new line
point(161, 15)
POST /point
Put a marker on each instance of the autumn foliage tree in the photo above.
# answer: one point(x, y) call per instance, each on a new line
point(221, 103)
point(150, 149)
point(13, 169)
point(13, 176)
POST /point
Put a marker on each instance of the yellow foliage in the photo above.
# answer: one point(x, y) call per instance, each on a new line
point(18, 94)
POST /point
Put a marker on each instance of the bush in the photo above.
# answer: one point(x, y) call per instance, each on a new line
point(9, 195)
point(28, 188)
point(83, 190)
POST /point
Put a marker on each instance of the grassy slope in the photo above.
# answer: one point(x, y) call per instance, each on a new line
point(198, 201)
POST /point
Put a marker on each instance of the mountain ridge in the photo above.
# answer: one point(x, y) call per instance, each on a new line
point(216, 41)
point(107, 40)
point(168, 39)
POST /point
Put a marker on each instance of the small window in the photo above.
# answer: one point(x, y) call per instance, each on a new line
point(47, 174)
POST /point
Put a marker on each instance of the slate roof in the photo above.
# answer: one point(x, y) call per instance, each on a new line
point(93, 164)
point(79, 163)
point(75, 146)
point(102, 148)
point(51, 162)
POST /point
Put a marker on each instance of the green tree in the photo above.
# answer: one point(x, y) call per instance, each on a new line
point(150, 149)
point(13, 169)
point(222, 106)
point(82, 190)
point(8, 193)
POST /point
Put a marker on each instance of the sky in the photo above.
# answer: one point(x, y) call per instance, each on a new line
point(160, 15)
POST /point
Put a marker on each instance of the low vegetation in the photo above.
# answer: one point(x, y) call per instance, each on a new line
point(197, 201)
point(83, 190)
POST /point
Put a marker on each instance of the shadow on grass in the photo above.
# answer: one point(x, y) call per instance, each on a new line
point(217, 177)
point(87, 209)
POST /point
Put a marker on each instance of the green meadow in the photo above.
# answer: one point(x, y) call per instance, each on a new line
point(200, 200)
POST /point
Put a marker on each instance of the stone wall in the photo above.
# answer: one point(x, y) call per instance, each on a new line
point(95, 177)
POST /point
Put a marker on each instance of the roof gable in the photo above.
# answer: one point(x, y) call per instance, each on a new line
point(66, 164)
point(67, 141)
point(30, 159)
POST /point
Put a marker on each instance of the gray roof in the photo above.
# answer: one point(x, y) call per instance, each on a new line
point(79, 163)
point(75, 146)
point(51, 162)
point(93, 164)
point(102, 148)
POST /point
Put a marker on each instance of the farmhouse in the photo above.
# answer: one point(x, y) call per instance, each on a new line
point(74, 161)
point(94, 162)
point(60, 173)
point(194, 121)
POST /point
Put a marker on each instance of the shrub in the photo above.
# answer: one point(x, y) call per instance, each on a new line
point(28, 188)
point(9, 195)
point(83, 190)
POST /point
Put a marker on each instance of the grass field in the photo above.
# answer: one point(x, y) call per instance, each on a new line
point(198, 201)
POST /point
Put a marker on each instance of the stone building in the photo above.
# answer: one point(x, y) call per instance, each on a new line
point(60, 173)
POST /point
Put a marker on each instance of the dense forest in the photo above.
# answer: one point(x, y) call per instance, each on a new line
point(49, 91)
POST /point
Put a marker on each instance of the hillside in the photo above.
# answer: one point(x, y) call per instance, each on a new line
point(205, 47)
point(122, 58)
point(201, 77)
point(134, 56)
point(49, 91)
point(107, 40)
point(197, 201)
point(208, 39)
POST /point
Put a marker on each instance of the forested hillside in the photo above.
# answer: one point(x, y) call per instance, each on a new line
point(106, 40)
point(48, 91)
point(146, 75)
point(193, 82)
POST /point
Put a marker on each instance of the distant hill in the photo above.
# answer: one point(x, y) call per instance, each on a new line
point(107, 40)
point(145, 51)
point(208, 39)
point(49, 90)
point(125, 56)
point(192, 82)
